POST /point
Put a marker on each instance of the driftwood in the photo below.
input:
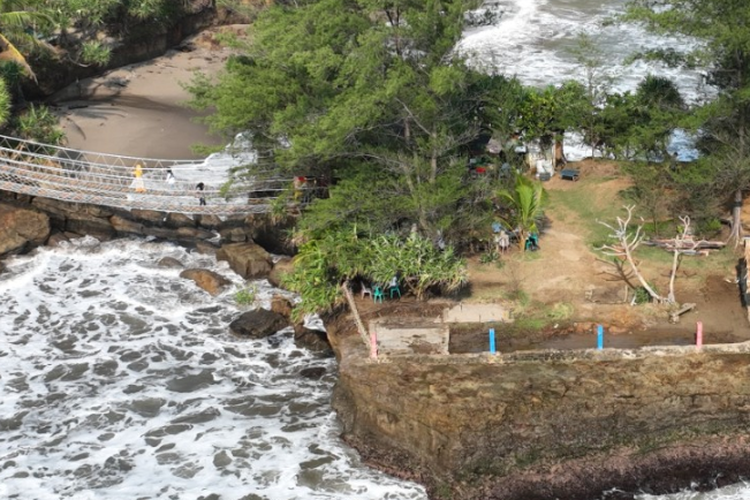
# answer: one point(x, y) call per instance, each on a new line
point(674, 317)
point(687, 246)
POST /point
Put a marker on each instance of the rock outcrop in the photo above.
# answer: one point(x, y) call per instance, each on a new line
point(249, 260)
point(281, 267)
point(548, 424)
point(106, 223)
point(258, 324)
point(22, 229)
point(209, 281)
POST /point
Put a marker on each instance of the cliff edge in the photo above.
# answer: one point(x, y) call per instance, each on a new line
point(548, 424)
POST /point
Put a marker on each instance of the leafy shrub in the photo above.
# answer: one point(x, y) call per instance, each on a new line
point(246, 296)
point(488, 257)
point(323, 264)
point(39, 124)
point(93, 52)
point(642, 296)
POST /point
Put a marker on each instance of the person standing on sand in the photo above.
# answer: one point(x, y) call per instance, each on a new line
point(140, 187)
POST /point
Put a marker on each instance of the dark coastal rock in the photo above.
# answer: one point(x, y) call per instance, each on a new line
point(84, 224)
point(258, 324)
point(209, 221)
point(193, 233)
point(248, 260)
point(313, 340)
point(22, 229)
point(152, 216)
point(179, 220)
point(169, 262)
point(57, 238)
point(126, 226)
point(313, 373)
point(205, 248)
point(208, 280)
point(283, 266)
point(282, 305)
point(235, 235)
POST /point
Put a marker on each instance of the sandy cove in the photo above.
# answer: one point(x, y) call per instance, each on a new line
point(138, 109)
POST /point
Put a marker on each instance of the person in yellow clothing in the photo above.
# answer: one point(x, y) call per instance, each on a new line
point(140, 187)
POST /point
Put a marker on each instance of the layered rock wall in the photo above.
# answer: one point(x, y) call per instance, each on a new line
point(29, 222)
point(549, 424)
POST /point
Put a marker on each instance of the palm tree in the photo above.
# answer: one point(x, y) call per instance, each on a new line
point(526, 204)
point(17, 17)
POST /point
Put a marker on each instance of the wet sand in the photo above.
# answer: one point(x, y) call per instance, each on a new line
point(138, 110)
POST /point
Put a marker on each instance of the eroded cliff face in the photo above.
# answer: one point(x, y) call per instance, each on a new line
point(549, 424)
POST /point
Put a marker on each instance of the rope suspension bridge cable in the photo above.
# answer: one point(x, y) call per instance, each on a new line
point(66, 174)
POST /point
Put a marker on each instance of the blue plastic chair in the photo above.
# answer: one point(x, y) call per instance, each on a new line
point(395, 290)
point(377, 294)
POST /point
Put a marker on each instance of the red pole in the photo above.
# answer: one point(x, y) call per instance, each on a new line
point(373, 344)
point(699, 335)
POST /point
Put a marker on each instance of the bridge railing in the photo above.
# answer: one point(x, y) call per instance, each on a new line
point(66, 174)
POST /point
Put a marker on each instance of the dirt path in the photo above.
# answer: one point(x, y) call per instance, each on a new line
point(566, 276)
point(562, 271)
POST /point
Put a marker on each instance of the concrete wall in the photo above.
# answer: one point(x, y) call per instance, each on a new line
point(546, 424)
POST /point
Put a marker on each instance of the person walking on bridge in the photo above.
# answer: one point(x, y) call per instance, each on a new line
point(199, 191)
point(140, 187)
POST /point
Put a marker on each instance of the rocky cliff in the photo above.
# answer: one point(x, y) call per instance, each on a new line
point(551, 424)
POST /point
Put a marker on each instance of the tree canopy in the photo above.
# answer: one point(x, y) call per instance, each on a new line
point(721, 33)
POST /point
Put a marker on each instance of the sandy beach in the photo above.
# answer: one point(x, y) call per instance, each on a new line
point(138, 110)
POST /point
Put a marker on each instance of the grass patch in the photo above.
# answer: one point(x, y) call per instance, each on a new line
point(587, 203)
point(246, 296)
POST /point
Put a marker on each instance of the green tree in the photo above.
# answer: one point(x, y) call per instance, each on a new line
point(546, 114)
point(723, 29)
point(525, 205)
point(638, 126)
point(339, 257)
point(597, 82)
point(5, 101)
point(18, 20)
point(335, 88)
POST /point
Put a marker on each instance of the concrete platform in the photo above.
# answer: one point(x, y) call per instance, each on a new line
point(476, 313)
point(410, 336)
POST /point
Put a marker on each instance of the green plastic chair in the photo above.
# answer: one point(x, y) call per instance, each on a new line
point(377, 294)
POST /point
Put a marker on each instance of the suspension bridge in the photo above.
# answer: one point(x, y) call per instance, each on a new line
point(129, 182)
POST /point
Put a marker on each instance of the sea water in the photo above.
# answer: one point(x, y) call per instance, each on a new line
point(120, 380)
point(534, 40)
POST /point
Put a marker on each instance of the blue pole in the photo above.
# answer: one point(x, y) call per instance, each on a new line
point(600, 337)
point(492, 341)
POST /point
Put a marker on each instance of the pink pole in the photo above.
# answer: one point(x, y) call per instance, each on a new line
point(699, 335)
point(373, 345)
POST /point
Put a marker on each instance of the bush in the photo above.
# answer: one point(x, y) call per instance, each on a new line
point(246, 296)
point(323, 264)
point(39, 124)
point(488, 257)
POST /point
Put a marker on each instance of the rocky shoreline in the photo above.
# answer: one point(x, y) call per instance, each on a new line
point(467, 427)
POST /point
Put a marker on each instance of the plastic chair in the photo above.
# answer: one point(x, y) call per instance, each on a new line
point(395, 290)
point(366, 291)
point(377, 294)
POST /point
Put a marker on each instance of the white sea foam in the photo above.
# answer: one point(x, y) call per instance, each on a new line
point(739, 491)
point(120, 381)
point(533, 41)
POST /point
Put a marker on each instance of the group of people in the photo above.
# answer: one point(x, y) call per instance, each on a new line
point(502, 237)
point(170, 179)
